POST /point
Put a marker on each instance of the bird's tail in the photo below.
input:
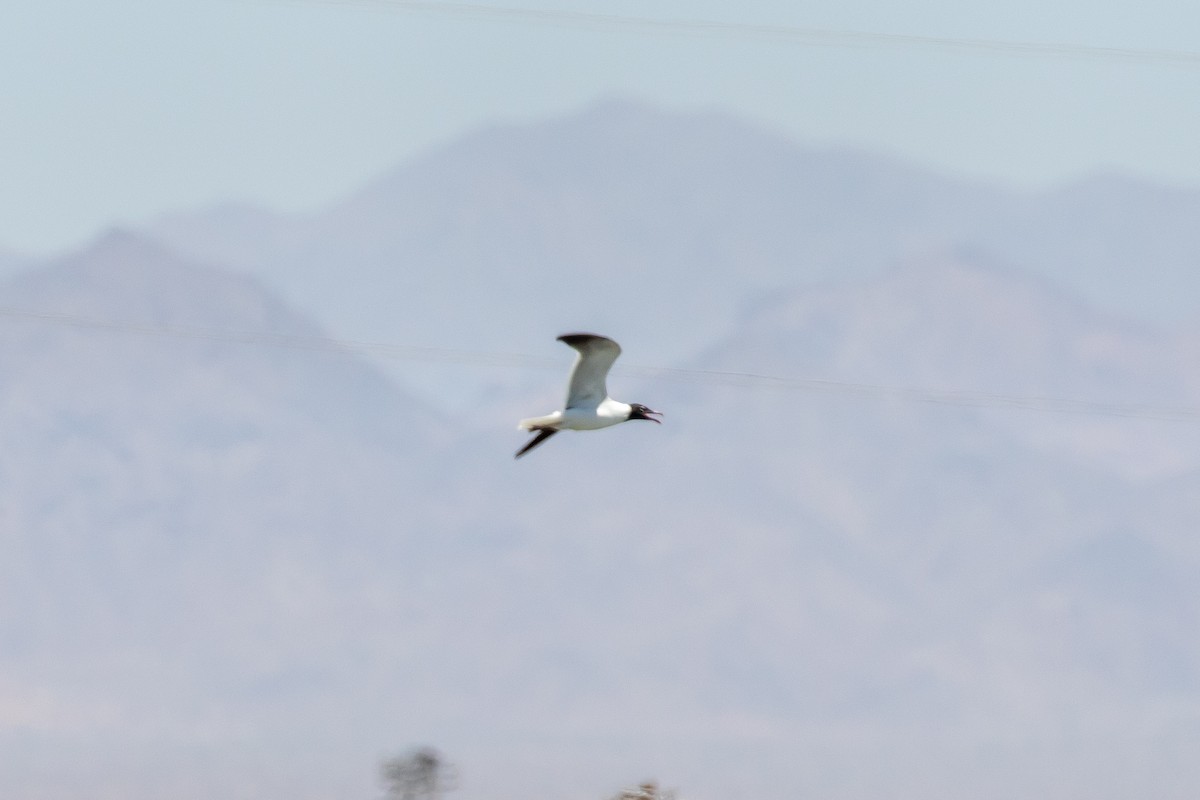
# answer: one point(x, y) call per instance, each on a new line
point(536, 423)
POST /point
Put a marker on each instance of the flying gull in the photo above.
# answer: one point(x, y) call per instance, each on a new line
point(588, 405)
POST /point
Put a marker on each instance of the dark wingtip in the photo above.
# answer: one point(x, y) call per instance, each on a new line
point(541, 436)
point(573, 339)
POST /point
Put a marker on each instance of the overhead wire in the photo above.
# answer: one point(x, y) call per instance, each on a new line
point(798, 35)
point(947, 397)
point(789, 34)
point(753, 381)
point(805, 36)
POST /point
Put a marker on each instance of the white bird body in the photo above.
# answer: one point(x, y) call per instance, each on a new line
point(588, 406)
point(608, 412)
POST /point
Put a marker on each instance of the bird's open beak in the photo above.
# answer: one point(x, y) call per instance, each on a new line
point(652, 419)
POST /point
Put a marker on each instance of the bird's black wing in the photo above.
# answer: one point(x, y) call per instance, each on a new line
point(542, 435)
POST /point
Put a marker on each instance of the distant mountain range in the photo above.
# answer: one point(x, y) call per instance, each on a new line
point(628, 219)
point(920, 523)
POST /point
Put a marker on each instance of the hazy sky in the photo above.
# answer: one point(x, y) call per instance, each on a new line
point(114, 112)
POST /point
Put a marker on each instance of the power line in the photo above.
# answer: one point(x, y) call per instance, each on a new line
point(789, 34)
point(311, 343)
point(948, 397)
point(724, 378)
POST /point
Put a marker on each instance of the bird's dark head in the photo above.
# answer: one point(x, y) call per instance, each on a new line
point(639, 411)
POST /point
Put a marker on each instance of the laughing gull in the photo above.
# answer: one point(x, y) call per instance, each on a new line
point(588, 405)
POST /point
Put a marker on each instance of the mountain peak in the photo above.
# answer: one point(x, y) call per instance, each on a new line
point(946, 320)
point(132, 310)
point(125, 277)
point(117, 238)
point(955, 279)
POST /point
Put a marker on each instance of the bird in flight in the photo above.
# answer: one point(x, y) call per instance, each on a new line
point(588, 405)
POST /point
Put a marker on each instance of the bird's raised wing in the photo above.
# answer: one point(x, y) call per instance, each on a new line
point(596, 357)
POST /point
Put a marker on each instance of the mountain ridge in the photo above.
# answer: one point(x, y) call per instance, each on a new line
point(642, 223)
point(228, 565)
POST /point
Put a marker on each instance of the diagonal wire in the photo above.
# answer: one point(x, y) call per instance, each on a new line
point(750, 381)
point(798, 35)
point(948, 397)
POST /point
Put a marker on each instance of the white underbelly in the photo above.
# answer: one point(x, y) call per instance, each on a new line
point(589, 419)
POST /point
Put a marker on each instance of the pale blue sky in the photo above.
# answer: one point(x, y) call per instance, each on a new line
point(116, 112)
